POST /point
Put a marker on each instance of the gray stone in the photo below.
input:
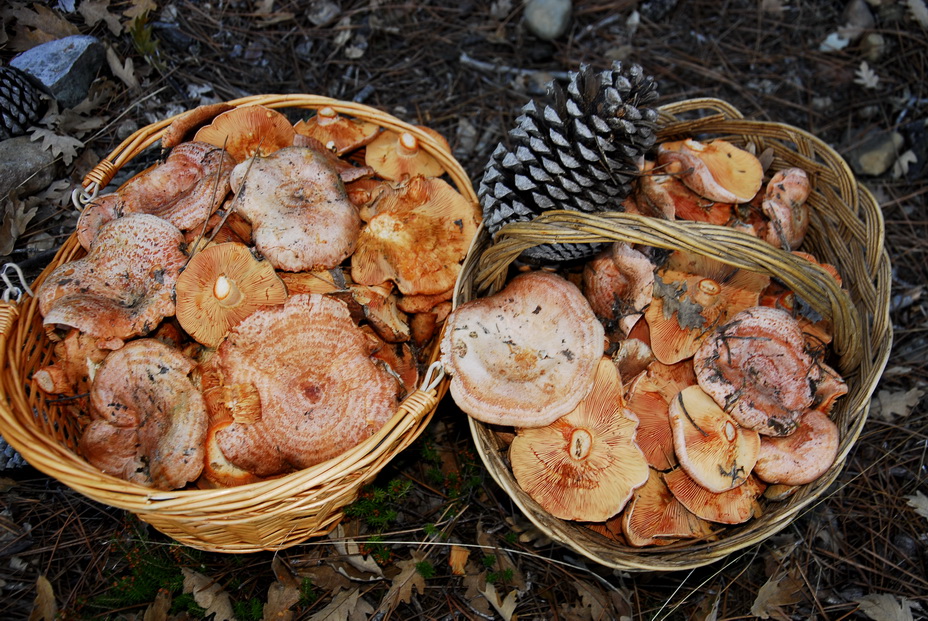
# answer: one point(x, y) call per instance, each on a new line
point(548, 19)
point(65, 66)
point(876, 154)
point(25, 167)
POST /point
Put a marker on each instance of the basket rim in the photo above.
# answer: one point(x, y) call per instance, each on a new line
point(658, 558)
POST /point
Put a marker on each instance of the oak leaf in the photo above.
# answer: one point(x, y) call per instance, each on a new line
point(886, 607)
point(780, 590)
point(406, 581)
point(96, 11)
point(208, 594)
point(346, 606)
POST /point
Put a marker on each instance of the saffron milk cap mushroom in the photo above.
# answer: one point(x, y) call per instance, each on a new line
point(585, 465)
point(248, 131)
point(785, 205)
point(717, 170)
point(524, 356)
point(339, 134)
point(736, 506)
point(398, 155)
point(655, 517)
point(801, 457)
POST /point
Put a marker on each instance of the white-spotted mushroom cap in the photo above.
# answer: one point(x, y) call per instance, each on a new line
point(184, 190)
point(710, 445)
point(785, 205)
point(655, 517)
point(221, 285)
point(524, 356)
point(418, 238)
point(149, 419)
point(717, 170)
point(735, 506)
point(320, 391)
point(248, 131)
point(693, 295)
point(338, 133)
point(650, 401)
point(124, 287)
point(804, 455)
point(619, 284)
point(398, 155)
point(585, 465)
point(296, 203)
point(757, 368)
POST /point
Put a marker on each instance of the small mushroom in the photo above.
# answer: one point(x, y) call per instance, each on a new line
point(735, 506)
point(248, 131)
point(785, 205)
point(585, 465)
point(124, 287)
point(804, 455)
point(756, 367)
point(339, 134)
point(654, 517)
point(668, 196)
point(75, 362)
point(398, 155)
point(710, 445)
point(418, 238)
point(301, 217)
point(619, 284)
point(524, 356)
point(222, 285)
point(718, 170)
point(149, 419)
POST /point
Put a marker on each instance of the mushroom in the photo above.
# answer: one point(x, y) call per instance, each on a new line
point(585, 465)
point(248, 131)
point(524, 356)
point(340, 134)
point(184, 190)
point(654, 517)
point(650, 401)
point(398, 155)
point(149, 420)
point(418, 238)
point(219, 470)
point(319, 389)
point(378, 304)
point(222, 285)
point(735, 506)
point(300, 215)
point(785, 205)
point(693, 295)
point(670, 198)
point(124, 286)
point(828, 388)
point(804, 455)
point(710, 445)
point(75, 362)
point(756, 367)
point(718, 170)
point(183, 123)
point(619, 284)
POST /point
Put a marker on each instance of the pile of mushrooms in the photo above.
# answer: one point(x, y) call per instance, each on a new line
point(659, 396)
point(256, 303)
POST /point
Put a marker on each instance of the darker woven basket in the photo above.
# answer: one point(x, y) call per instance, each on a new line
point(846, 230)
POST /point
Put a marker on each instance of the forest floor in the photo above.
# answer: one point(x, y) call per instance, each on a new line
point(465, 69)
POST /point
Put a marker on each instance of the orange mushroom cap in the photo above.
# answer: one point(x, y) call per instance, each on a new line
point(655, 517)
point(802, 456)
point(669, 196)
point(619, 284)
point(785, 205)
point(398, 155)
point(710, 445)
point(417, 239)
point(524, 356)
point(222, 285)
point(585, 465)
point(339, 134)
point(735, 506)
point(718, 170)
point(248, 131)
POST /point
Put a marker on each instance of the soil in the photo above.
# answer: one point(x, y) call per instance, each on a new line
point(465, 69)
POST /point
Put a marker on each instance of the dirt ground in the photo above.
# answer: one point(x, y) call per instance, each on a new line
point(465, 69)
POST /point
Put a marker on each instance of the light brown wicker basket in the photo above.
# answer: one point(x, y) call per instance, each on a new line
point(846, 231)
point(273, 514)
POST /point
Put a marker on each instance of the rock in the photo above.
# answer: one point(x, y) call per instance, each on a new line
point(876, 154)
point(548, 19)
point(25, 167)
point(873, 46)
point(65, 66)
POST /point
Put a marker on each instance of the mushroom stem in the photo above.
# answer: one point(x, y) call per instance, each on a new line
point(226, 291)
point(407, 144)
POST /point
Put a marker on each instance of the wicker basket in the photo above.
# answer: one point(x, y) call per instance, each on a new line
point(846, 230)
point(273, 514)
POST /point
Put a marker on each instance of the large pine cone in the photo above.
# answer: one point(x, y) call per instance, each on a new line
point(21, 103)
point(580, 150)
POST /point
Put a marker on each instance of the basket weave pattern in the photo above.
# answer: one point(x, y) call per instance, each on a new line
point(272, 514)
point(846, 230)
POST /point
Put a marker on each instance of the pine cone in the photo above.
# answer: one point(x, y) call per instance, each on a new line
point(21, 103)
point(581, 151)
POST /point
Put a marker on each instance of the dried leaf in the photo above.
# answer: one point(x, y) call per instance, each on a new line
point(64, 147)
point(503, 561)
point(16, 217)
point(919, 11)
point(889, 405)
point(125, 71)
point(779, 590)
point(45, 607)
point(404, 582)
point(772, 6)
point(528, 532)
point(48, 25)
point(474, 581)
point(138, 8)
point(208, 594)
point(902, 164)
point(886, 607)
point(280, 599)
point(505, 607)
point(350, 549)
point(866, 76)
point(96, 11)
point(919, 502)
point(158, 609)
point(326, 578)
point(346, 606)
